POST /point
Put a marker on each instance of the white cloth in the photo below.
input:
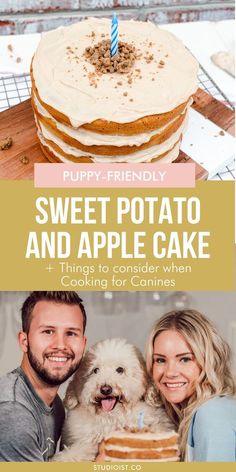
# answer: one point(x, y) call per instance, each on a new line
point(13, 47)
point(205, 38)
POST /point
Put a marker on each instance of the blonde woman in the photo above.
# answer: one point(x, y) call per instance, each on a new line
point(190, 365)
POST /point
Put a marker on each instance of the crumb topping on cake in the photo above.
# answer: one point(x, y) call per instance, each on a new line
point(100, 56)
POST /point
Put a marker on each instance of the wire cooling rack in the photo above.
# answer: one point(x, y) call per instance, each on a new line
point(13, 90)
point(16, 89)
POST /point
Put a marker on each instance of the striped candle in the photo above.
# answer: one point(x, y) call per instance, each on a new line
point(141, 419)
point(114, 35)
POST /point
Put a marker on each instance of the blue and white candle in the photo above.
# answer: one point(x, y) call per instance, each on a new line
point(141, 419)
point(114, 35)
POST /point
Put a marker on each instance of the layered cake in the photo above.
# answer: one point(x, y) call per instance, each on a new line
point(93, 107)
point(134, 445)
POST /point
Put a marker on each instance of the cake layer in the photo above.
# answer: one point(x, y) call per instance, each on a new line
point(141, 454)
point(109, 150)
point(81, 136)
point(142, 155)
point(162, 79)
point(142, 125)
point(53, 154)
point(142, 440)
point(118, 447)
point(115, 459)
point(55, 157)
point(143, 445)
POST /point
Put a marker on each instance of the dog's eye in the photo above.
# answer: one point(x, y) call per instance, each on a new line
point(120, 370)
point(95, 371)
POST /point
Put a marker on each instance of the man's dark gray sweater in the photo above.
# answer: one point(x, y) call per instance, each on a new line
point(29, 429)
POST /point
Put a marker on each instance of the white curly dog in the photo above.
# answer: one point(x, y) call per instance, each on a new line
point(107, 393)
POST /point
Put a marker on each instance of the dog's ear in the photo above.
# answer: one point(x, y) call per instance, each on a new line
point(76, 385)
point(151, 396)
point(71, 400)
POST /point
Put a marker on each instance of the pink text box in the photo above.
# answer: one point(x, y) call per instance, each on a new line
point(114, 175)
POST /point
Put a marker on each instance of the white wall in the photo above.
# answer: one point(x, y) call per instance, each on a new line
point(126, 314)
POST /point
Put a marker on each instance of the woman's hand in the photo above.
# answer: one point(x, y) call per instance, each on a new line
point(101, 452)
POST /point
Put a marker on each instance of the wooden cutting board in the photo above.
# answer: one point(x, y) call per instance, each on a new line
point(18, 123)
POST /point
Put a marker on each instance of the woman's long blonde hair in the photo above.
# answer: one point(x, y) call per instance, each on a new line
point(212, 354)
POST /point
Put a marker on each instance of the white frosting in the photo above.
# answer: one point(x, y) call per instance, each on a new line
point(63, 83)
point(89, 138)
point(143, 436)
point(169, 157)
point(143, 155)
point(113, 447)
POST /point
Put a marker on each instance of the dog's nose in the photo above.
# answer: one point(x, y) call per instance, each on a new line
point(106, 389)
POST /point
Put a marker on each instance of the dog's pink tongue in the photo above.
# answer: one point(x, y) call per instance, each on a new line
point(108, 404)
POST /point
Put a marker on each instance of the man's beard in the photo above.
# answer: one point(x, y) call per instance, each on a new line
point(44, 374)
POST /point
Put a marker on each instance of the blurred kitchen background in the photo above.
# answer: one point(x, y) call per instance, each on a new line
point(34, 16)
point(122, 314)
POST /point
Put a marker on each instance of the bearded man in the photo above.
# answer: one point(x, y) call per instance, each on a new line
point(52, 341)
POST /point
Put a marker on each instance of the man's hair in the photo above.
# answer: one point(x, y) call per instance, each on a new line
point(67, 298)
